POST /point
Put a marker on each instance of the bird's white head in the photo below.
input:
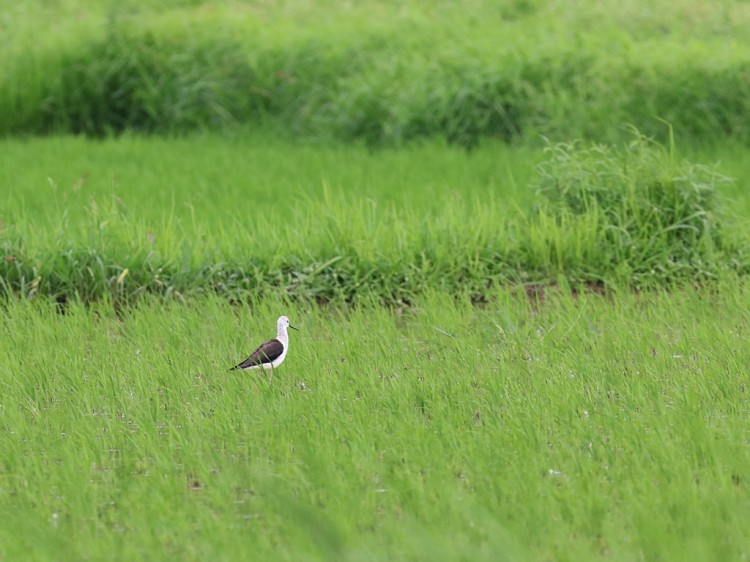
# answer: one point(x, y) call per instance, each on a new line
point(283, 323)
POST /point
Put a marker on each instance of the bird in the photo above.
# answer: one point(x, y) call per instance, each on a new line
point(270, 353)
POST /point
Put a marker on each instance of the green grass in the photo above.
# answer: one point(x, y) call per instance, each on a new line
point(239, 216)
point(250, 215)
point(383, 72)
point(472, 417)
point(580, 429)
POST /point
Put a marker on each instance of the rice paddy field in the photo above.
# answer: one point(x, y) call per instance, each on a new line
point(513, 235)
point(585, 428)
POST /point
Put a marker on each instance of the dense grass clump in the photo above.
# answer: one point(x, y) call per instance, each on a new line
point(491, 70)
point(655, 215)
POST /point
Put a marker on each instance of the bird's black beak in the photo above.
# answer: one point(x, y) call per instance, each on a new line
point(293, 328)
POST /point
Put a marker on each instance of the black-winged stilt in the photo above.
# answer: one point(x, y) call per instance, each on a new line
point(271, 353)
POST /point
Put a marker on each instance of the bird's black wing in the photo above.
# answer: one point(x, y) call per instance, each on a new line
point(266, 354)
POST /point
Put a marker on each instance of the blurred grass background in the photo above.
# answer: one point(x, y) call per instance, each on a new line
point(382, 72)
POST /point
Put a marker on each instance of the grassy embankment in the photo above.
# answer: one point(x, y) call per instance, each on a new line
point(249, 217)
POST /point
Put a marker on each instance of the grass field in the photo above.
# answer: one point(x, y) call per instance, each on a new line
point(523, 320)
point(581, 429)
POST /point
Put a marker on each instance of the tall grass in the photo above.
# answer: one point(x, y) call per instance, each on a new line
point(341, 225)
point(507, 71)
point(584, 429)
